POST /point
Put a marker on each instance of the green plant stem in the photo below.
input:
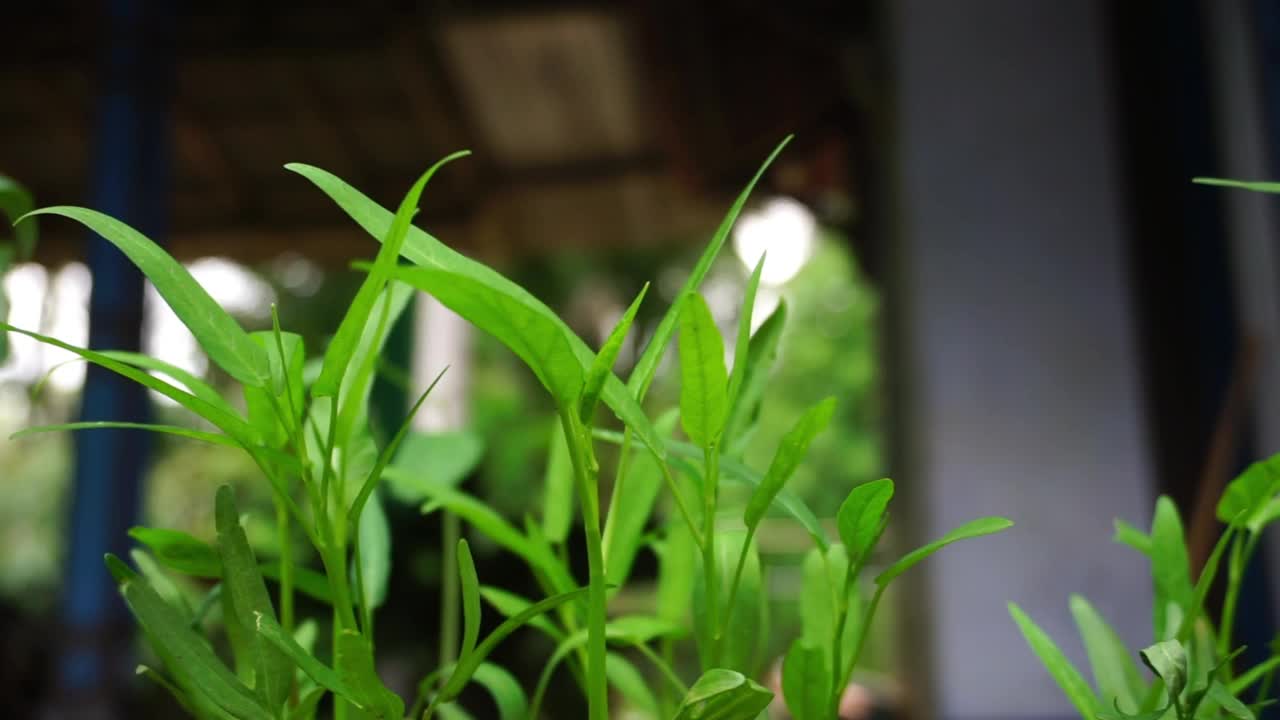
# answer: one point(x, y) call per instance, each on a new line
point(450, 531)
point(619, 477)
point(733, 587)
point(1241, 552)
point(663, 667)
point(837, 642)
point(286, 567)
point(667, 703)
point(362, 600)
point(674, 489)
point(845, 673)
point(585, 473)
point(710, 573)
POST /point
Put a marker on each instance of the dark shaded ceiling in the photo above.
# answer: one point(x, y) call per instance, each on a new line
point(590, 124)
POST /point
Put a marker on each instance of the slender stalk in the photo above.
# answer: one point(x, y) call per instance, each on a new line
point(663, 667)
point(286, 567)
point(847, 671)
point(733, 588)
point(362, 600)
point(588, 493)
point(450, 531)
point(710, 573)
point(619, 477)
point(1235, 578)
point(680, 503)
point(837, 642)
point(666, 702)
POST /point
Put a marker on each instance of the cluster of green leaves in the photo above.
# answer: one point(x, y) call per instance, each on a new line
point(306, 427)
point(1191, 658)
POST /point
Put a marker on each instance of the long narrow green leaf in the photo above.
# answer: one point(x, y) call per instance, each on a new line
point(972, 529)
point(194, 385)
point(179, 551)
point(1255, 186)
point(602, 366)
point(508, 604)
point(541, 343)
point(704, 403)
point(190, 434)
point(647, 365)
point(1060, 668)
point(173, 638)
point(1170, 568)
point(322, 674)
point(219, 335)
point(338, 355)
point(426, 251)
point(790, 453)
point(1114, 672)
point(248, 593)
point(231, 424)
point(1127, 534)
point(470, 599)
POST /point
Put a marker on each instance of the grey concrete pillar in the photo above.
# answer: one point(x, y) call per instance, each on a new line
point(1018, 350)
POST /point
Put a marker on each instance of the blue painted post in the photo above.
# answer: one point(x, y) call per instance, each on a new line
point(130, 180)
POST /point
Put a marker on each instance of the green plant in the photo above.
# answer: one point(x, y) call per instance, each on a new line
point(1191, 657)
point(309, 434)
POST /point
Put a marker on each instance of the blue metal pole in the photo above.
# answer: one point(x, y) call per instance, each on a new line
point(130, 181)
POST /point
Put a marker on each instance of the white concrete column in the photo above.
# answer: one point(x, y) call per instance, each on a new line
point(441, 338)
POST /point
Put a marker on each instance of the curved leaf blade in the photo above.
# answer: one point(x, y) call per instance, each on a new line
point(972, 529)
point(219, 335)
point(602, 366)
point(861, 517)
point(470, 599)
point(1114, 672)
point(1060, 668)
point(428, 252)
point(790, 453)
point(724, 695)
point(338, 355)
